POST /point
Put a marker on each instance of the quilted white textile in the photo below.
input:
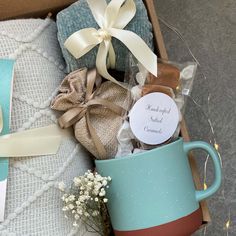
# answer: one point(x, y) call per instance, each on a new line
point(33, 205)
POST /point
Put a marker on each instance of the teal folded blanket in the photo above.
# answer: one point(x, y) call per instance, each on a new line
point(79, 16)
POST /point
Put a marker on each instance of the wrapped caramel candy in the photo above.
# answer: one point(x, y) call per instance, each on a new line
point(150, 88)
point(168, 75)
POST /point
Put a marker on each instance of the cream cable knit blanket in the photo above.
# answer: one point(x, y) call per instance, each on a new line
point(33, 205)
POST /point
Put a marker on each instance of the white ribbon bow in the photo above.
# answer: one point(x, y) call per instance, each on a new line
point(111, 18)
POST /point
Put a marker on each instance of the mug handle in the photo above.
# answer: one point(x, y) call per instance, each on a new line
point(203, 194)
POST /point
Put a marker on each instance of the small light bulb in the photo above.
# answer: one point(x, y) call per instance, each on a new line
point(227, 224)
point(216, 146)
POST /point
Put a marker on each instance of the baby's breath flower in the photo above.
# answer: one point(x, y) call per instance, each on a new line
point(95, 213)
point(71, 206)
point(98, 177)
point(86, 214)
point(102, 192)
point(95, 192)
point(77, 181)
point(90, 176)
point(71, 198)
point(64, 197)
point(65, 208)
point(82, 187)
point(86, 198)
point(104, 182)
point(80, 212)
point(98, 185)
point(62, 186)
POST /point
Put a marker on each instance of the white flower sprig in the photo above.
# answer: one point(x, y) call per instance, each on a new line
point(85, 201)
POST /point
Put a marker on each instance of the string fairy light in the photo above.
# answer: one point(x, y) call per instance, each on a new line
point(228, 222)
point(204, 230)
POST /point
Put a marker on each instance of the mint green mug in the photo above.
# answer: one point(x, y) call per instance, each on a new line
point(153, 193)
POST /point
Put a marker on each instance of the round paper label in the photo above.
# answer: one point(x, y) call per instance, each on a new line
point(154, 118)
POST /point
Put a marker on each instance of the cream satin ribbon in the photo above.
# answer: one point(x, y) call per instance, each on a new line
point(111, 18)
point(34, 142)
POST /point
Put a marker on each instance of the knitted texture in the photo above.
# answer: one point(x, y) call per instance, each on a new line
point(79, 16)
point(33, 204)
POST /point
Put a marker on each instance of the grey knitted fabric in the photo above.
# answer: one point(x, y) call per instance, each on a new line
point(33, 203)
point(79, 16)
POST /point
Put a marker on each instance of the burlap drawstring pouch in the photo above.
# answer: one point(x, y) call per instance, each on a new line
point(95, 109)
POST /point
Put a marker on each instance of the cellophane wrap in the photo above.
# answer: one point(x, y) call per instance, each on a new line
point(173, 79)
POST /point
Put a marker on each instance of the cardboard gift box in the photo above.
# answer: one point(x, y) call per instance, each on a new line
point(11, 9)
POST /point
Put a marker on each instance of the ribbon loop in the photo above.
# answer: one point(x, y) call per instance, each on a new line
point(140, 49)
point(112, 12)
point(88, 38)
point(111, 18)
point(126, 14)
point(98, 8)
point(106, 104)
point(71, 117)
point(92, 78)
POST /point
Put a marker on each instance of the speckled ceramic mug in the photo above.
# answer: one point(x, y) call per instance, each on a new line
point(153, 193)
